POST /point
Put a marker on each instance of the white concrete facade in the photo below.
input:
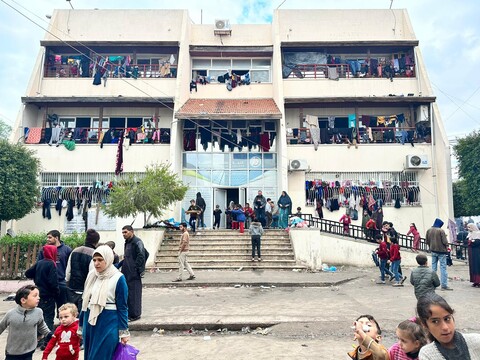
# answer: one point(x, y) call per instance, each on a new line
point(347, 33)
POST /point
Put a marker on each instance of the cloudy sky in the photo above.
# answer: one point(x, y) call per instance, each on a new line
point(448, 31)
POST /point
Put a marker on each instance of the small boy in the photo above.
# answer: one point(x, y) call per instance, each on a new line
point(65, 335)
point(383, 255)
point(423, 279)
point(24, 322)
point(216, 216)
point(116, 258)
point(299, 212)
point(368, 335)
point(256, 231)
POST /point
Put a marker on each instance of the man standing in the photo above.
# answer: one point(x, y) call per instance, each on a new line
point(63, 253)
point(133, 266)
point(193, 211)
point(436, 240)
point(202, 205)
point(259, 206)
point(78, 265)
point(182, 254)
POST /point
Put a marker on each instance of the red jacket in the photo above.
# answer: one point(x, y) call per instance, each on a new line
point(395, 252)
point(67, 340)
point(371, 224)
point(382, 250)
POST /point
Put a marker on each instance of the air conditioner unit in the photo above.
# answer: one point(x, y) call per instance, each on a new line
point(417, 162)
point(298, 165)
point(222, 27)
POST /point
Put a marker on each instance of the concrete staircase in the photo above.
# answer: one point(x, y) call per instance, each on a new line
point(228, 249)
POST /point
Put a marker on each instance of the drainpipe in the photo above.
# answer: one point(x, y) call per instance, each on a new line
point(434, 160)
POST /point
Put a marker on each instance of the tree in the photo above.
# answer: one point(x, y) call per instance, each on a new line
point(459, 189)
point(467, 151)
point(5, 130)
point(150, 194)
point(19, 187)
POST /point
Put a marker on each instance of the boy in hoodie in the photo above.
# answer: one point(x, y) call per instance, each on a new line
point(44, 274)
point(423, 279)
point(256, 231)
point(65, 335)
point(24, 323)
point(436, 240)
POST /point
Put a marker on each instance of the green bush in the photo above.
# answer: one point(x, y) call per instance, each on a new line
point(26, 240)
point(73, 240)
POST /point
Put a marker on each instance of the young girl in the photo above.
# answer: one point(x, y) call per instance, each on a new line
point(346, 220)
point(411, 338)
point(437, 317)
point(416, 236)
point(65, 336)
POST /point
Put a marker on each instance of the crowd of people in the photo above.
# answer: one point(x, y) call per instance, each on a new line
point(93, 294)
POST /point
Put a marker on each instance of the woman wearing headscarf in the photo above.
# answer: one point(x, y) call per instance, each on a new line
point(474, 254)
point(285, 205)
point(229, 215)
point(104, 309)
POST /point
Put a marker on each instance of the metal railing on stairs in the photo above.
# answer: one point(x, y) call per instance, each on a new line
point(357, 232)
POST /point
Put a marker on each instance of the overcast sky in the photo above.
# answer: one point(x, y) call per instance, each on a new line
point(448, 31)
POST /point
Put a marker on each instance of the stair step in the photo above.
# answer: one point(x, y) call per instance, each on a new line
point(250, 265)
point(228, 252)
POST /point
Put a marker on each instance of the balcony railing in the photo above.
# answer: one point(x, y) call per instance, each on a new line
point(344, 71)
point(113, 71)
point(82, 135)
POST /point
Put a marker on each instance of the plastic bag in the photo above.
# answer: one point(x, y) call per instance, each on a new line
point(125, 352)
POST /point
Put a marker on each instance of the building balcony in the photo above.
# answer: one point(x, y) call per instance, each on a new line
point(316, 86)
point(92, 158)
point(82, 88)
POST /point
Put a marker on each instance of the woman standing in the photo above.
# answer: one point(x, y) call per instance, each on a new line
point(365, 219)
point(285, 205)
point(474, 254)
point(104, 308)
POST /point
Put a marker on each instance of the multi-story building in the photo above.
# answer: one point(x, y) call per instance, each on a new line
point(324, 104)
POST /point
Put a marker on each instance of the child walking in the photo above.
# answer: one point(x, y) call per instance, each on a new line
point(65, 335)
point(256, 231)
point(24, 323)
point(396, 259)
point(411, 338)
point(368, 334)
point(383, 256)
point(216, 216)
point(436, 316)
point(346, 220)
point(44, 274)
point(416, 237)
point(423, 279)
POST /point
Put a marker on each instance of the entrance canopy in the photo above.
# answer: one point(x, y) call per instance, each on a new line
point(217, 109)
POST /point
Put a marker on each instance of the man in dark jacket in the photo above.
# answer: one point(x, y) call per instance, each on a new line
point(78, 266)
point(53, 238)
point(133, 266)
point(259, 206)
point(202, 205)
point(436, 240)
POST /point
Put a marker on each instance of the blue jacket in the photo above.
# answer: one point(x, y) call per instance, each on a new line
point(240, 215)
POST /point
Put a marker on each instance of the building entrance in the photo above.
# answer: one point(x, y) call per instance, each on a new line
point(223, 197)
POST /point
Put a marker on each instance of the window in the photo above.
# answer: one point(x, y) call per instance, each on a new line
point(67, 122)
point(259, 69)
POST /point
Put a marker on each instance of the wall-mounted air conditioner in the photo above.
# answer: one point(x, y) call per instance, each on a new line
point(417, 162)
point(298, 165)
point(222, 27)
